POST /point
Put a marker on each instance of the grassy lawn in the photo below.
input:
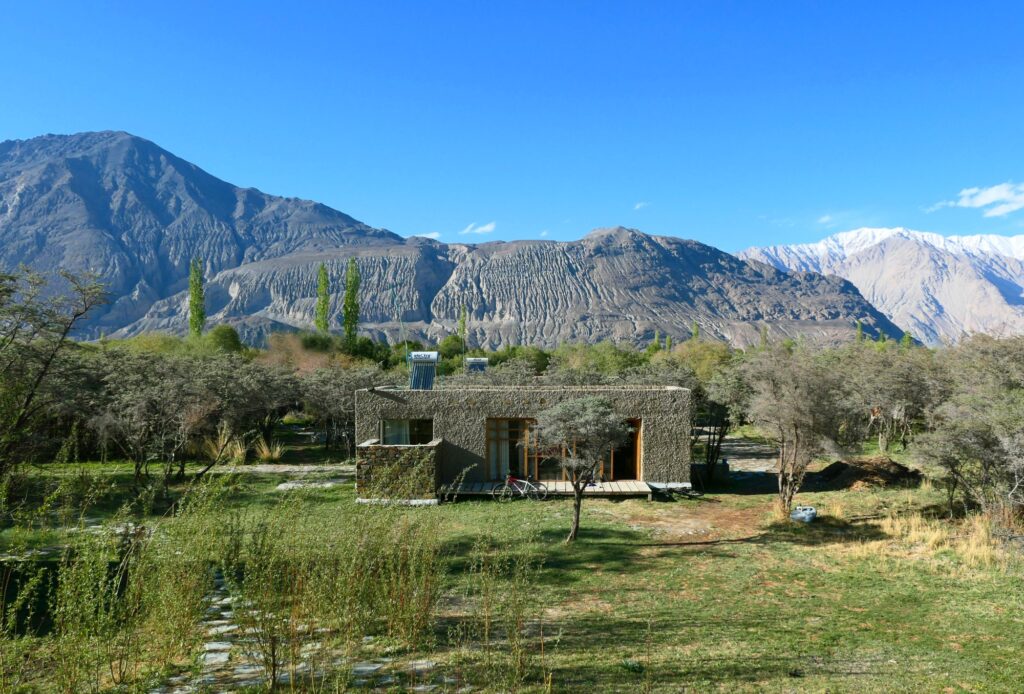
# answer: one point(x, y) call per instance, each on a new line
point(712, 594)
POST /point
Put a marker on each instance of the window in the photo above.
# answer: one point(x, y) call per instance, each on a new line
point(506, 447)
point(407, 432)
point(513, 446)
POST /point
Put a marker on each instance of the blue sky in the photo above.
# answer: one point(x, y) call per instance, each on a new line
point(732, 123)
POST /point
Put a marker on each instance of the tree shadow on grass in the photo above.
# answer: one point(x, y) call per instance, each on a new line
point(600, 548)
point(825, 530)
point(675, 649)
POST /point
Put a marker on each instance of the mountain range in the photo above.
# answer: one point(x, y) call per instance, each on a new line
point(940, 288)
point(133, 213)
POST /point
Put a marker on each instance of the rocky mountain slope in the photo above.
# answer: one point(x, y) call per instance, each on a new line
point(135, 214)
point(938, 287)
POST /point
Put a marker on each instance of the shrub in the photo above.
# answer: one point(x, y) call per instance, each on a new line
point(268, 451)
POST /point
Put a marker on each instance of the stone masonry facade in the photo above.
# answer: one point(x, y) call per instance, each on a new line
point(460, 415)
point(409, 471)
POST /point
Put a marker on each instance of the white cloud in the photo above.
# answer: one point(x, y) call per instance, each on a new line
point(998, 200)
point(481, 229)
point(431, 235)
point(544, 233)
point(825, 219)
point(641, 205)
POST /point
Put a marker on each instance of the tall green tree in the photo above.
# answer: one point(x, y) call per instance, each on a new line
point(694, 331)
point(351, 303)
point(196, 298)
point(462, 329)
point(323, 299)
point(860, 332)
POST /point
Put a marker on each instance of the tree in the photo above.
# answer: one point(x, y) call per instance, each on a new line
point(463, 333)
point(450, 347)
point(894, 387)
point(694, 331)
point(668, 343)
point(351, 303)
point(153, 406)
point(323, 299)
point(907, 340)
point(35, 346)
point(655, 345)
point(977, 430)
point(860, 332)
point(704, 361)
point(329, 397)
point(801, 403)
point(196, 298)
point(586, 430)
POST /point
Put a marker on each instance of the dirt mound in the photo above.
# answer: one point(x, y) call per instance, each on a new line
point(859, 473)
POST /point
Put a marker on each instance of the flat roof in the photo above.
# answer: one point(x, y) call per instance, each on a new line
point(581, 389)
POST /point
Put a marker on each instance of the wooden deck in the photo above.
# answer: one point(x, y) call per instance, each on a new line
point(634, 488)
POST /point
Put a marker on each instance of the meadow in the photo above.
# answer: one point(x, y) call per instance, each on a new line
point(883, 592)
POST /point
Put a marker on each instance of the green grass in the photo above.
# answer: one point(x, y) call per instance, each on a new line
point(744, 605)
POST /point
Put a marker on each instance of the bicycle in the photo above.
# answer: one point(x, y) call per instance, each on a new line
point(524, 487)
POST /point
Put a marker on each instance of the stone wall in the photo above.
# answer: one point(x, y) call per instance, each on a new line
point(460, 420)
point(406, 472)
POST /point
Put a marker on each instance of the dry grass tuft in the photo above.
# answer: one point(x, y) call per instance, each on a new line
point(972, 540)
point(836, 509)
point(977, 546)
point(268, 451)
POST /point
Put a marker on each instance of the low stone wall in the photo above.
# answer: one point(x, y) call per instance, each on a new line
point(397, 472)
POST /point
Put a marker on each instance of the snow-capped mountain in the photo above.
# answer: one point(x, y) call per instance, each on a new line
point(938, 287)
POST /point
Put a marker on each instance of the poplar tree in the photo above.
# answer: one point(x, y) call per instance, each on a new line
point(860, 331)
point(694, 331)
point(196, 298)
point(351, 303)
point(462, 329)
point(323, 299)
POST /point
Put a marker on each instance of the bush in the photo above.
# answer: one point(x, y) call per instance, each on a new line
point(224, 338)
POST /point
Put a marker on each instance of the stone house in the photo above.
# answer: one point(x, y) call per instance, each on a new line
point(475, 435)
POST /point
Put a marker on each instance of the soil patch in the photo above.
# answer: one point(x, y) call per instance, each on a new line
point(863, 473)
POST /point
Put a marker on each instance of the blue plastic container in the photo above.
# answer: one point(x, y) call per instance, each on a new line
point(804, 514)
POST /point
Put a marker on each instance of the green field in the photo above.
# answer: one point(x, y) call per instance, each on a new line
point(698, 595)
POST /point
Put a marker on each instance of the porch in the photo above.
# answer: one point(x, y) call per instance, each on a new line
point(620, 488)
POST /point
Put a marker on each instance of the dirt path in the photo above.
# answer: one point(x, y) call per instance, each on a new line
point(334, 470)
point(745, 455)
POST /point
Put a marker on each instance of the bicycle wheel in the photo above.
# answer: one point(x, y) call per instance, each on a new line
point(503, 492)
point(539, 492)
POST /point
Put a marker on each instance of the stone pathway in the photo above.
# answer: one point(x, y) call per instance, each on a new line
point(225, 665)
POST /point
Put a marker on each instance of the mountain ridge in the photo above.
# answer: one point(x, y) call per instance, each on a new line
point(136, 214)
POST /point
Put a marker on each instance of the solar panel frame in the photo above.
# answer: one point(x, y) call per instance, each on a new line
point(422, 370)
